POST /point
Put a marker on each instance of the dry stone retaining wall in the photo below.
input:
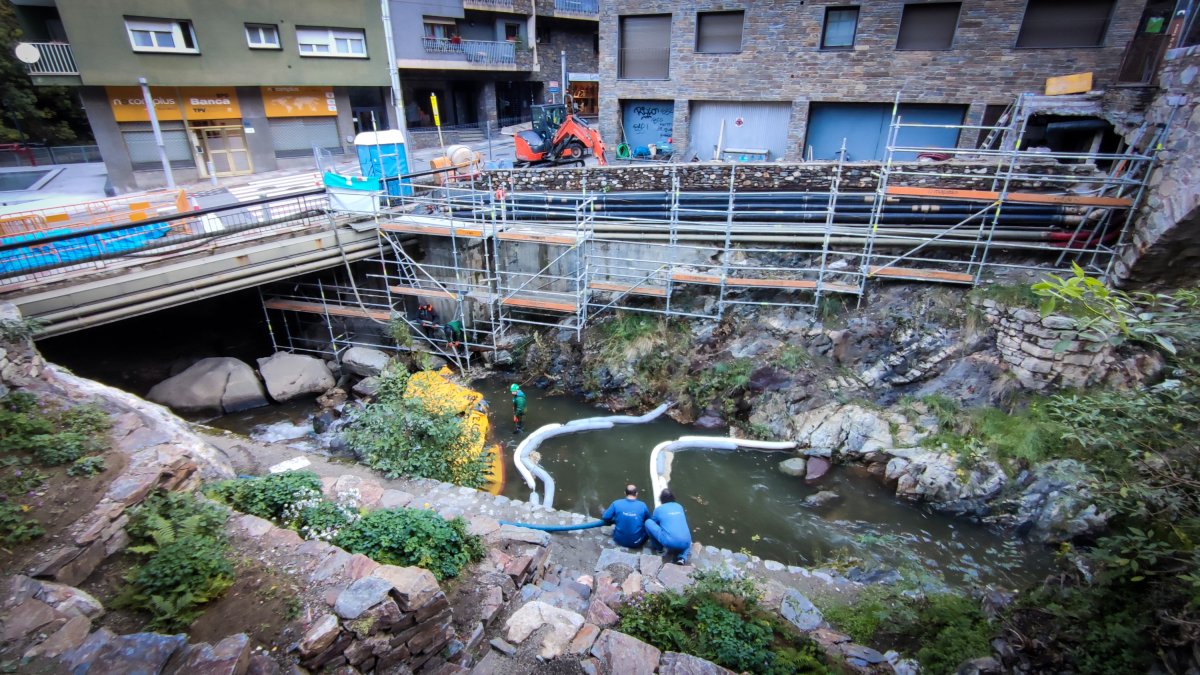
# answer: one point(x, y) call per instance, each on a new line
point(1045, 352)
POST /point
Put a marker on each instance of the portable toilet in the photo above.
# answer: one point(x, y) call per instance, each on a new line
point(381, 154)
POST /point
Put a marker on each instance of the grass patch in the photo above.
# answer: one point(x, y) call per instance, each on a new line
point(1009, 295)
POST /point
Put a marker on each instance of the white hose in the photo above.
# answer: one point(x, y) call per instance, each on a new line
point(528, 469)
point(664, 453)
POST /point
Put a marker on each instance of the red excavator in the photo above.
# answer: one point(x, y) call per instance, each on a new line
point(557, 137)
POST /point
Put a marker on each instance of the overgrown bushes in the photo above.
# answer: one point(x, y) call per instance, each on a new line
point(388, 536)
point(720, 620)
point(183, 559)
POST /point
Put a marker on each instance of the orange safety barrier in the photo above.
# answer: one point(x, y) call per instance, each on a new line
point(85, 215)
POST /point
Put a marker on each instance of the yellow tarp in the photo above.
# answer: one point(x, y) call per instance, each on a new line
point(435, 390)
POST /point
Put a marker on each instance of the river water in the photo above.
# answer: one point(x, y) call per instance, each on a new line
point(739, 500)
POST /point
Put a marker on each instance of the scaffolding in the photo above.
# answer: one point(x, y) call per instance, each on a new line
point(494, 259)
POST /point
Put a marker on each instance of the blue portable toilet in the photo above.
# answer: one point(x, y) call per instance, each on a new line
point(381, 154)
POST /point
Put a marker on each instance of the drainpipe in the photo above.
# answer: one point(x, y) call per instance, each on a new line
point(533, 36)
point(393, 69)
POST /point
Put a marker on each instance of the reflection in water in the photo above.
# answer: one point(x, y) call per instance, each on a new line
point(738, 501)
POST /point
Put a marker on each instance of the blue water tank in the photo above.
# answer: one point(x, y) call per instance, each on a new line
point(382, 154)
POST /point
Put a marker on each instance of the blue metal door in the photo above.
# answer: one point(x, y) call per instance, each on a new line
point(864, 127)
point(647, 122)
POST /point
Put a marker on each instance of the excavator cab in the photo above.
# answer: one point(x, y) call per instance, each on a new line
point(557, 136)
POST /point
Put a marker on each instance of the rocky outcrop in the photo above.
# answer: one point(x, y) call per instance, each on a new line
point(1056, 503)
point(288, 376)
point(841, 431)
point(213, 385)
point(943, 481)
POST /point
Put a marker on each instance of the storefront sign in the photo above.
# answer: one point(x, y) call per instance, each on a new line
point(174, 103)
point(583, 77)
point(299, 101)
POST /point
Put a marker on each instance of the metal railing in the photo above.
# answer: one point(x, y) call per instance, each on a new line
point(474, 51)
point(41, 155)
point(494, 5)
point(586, 7)
point(56, 59)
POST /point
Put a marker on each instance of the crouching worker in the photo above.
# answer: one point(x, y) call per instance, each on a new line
point(668, 529)
point(628, 515)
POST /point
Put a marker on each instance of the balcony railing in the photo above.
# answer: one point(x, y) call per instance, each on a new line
point(585, 7)
point(474, 51)
point(56, 59)
point(493, 5)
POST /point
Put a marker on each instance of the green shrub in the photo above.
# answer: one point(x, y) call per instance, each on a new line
point(183, 562)
point(719, 619)
point(268, 496)
point(54, 435)
point(413, 537)
point(323, 520)
point(16, 527)
point(63, 447)
point(721, 381)
point(86, 466)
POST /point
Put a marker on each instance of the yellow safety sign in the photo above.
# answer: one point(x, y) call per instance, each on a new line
point(437, 120)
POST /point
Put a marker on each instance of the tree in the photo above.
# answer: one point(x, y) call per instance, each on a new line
point(51, 115)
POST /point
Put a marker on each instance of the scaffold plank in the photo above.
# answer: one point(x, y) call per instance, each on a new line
point(325, 308)
point(424, 292)
point(921, 275)
point(432, 230)
point(781, 284)
point(533, 303)
point(539, 238)
point(1022, 197)
point(652, 291)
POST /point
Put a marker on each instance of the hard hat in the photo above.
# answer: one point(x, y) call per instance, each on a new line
point(515, 388)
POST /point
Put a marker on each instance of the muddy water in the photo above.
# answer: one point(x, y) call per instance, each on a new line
point(739, 501)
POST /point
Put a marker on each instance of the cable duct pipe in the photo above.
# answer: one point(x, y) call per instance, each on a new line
point(528, 469)
point(664, 453)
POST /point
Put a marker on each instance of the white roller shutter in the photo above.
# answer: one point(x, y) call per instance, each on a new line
point(143, 150)
point(296, 136)
point(763, 125)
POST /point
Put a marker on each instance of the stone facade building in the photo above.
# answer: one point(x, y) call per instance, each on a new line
point(792, 79)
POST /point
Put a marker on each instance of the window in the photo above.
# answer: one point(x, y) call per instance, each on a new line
point(161, 35)
point(1065, 23)
point(262, 36)
point(436, 27)
point(512, 32)
point(719, 32)
point(840, 25)
point(645, 47)
point(341, 42)
point(928, 26)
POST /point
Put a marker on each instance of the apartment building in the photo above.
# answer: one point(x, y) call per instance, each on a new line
point(782, 79)
point(239, 87)
point(490, 60)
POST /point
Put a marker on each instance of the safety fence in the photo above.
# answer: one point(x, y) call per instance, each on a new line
point(39, 155)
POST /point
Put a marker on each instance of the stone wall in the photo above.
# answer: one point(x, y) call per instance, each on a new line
point(1163, 249)
point(809, 176)
point(1045, 353)
point(781, 60)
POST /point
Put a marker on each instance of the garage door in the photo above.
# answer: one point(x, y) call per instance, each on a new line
point(647, 122)
point(748, 126)
point(143, 149)
point(296, 136)
point(864, 126)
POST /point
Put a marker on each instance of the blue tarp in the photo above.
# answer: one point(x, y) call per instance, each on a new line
point(75, 249)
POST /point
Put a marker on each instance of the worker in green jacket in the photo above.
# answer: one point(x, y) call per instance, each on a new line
point(518, 401)
point(454, 335)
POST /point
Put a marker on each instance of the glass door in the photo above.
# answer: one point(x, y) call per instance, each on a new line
point(225, 147)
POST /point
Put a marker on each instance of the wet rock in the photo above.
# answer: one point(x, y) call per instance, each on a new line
point(821, 499)
point(334, 398)
point(796, 466)
point(621, 653)
point(674, 663)
point(817, 468)
point(800, 611)
point(361, 595)
point(288, 376)
point(364, 361)
point(530, 618)
point(1058, 505)
point(709, 421)
point(367, 387)
point(219, 384)
point(323, 420)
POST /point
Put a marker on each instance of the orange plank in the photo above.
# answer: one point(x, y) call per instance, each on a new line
point(740, 282)
point(57, 217)
point(696, 278)
point(539, 238)
point(925, 275)
point(1023, 197)
point(430, 230)
point(429, 292)
point(627, 288)
point(319, 308)
point(531, 303)
point(1078, 83)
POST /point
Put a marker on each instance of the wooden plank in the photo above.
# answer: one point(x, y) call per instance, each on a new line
point(1077, 83)
point(532, 303)
point(539, 238)
point(319, 308)
point(921, 275)
point(1022, 197)
point(432, 230)
point(424, 292)
point(782, 284)
point(696, 278)
point(651, 291)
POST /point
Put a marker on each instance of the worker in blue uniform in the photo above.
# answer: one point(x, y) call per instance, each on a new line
point(629, 515)
point(668, 529)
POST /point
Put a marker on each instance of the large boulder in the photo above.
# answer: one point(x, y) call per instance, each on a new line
point(940, 480)
point(291, 375)
point(218, 384)
point(364, 361)
point(1058, 503)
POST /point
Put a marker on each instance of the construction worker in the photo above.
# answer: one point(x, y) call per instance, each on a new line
point(668, 529)
point(629, 515)
point(454, 334)
point(518, 401)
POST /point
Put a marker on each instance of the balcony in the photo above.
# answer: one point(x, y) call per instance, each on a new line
point(589, 9)
point(480, 52)
point(56, 59)
point(490, 5)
